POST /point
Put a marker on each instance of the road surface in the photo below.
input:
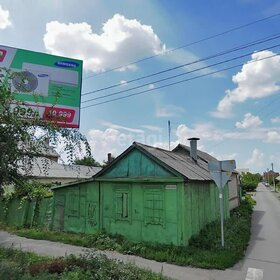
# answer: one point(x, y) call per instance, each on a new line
point(262, 260)
point(263, 253)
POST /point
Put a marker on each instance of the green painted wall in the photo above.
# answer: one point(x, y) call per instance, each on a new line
point(137, 164)
point(202, 206)
point(150, 213)
point(27, 213)
point(76, 208)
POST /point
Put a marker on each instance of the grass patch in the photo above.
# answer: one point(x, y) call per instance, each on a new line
point(18, 265)
point(204, 250)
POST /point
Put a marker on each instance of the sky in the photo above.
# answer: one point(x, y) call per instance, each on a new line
point(224, 56)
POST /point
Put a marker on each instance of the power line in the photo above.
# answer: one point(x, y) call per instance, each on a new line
point(178, 75)
point(178, 82)
point(237, 48)
point(187, 45)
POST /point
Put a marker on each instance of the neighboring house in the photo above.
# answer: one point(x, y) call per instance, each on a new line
point(270, 174)
point(243, 170)
point(234, 181)
point(145, 194)
point(48, 171)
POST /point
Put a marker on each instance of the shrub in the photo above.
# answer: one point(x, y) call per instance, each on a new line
point(250, 181)
point(10, 270)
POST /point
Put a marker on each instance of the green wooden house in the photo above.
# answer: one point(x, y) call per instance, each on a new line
point(145, 194)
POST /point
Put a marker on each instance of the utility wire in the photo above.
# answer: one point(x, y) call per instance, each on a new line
point(237, 48)
point(178, 82)
point(187, 45)
point(178, 75)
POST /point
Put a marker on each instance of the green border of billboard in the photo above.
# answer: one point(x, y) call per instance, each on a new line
point(59, 77)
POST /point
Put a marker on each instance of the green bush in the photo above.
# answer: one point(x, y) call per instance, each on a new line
point(249, 181)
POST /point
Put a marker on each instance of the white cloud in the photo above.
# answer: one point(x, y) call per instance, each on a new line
point(169, 111)
point(224, 156)
point(254, 81)
point(116, 126)
point(152, 128)
point(108, 141)
point(249, 121)
point(275, 120)
point(151, 86)
point(121, 41)
point(208, 132)
point(4, 18)
point(256, 160)
point(273, 136)
point(165, 145)
point(204, 131)
point(112, 140)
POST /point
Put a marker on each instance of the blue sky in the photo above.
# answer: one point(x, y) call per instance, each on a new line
point(235, 112)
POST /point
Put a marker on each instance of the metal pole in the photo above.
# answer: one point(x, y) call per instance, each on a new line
point(221, 207)
point(222, 216)
point(169, 132)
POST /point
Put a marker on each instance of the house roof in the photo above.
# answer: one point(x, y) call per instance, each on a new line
point(202, 155)
point(177, 162)
point(185, 149)
point(45, 168)
point(180, 162)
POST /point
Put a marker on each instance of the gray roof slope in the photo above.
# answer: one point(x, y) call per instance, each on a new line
point(183, 148)
point(204, 156)
point(180, 162)
point(45, 168)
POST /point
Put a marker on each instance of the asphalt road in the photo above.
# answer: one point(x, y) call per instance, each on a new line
point(262, 260)
point(263, 253)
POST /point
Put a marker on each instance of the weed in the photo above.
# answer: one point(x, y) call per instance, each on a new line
point(90, 266)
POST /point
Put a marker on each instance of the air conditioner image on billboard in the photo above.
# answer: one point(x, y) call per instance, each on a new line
point(58, 76)
point(30, 82)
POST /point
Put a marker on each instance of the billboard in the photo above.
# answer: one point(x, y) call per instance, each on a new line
point(45, 86)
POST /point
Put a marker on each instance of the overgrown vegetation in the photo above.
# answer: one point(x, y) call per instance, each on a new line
point(203, 251)
point(18, 265)
point(250, 181)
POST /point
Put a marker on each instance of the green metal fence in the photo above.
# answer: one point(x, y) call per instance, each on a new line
point(25, 213)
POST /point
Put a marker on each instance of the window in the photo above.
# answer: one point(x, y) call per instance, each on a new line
point(122, 204)
point(154, 207)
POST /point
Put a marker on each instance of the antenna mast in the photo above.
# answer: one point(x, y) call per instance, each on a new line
point(169, 132)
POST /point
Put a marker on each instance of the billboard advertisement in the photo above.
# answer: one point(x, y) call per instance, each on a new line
point(45, 86)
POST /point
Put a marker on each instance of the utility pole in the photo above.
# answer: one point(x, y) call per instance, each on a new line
point(273, 177)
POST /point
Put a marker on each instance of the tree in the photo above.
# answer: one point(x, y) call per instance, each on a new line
point(250, 181)
point(23, 139)
point(88, 161)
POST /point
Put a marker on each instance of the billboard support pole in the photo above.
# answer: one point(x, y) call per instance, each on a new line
point(221, 208)
point(222, 217)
